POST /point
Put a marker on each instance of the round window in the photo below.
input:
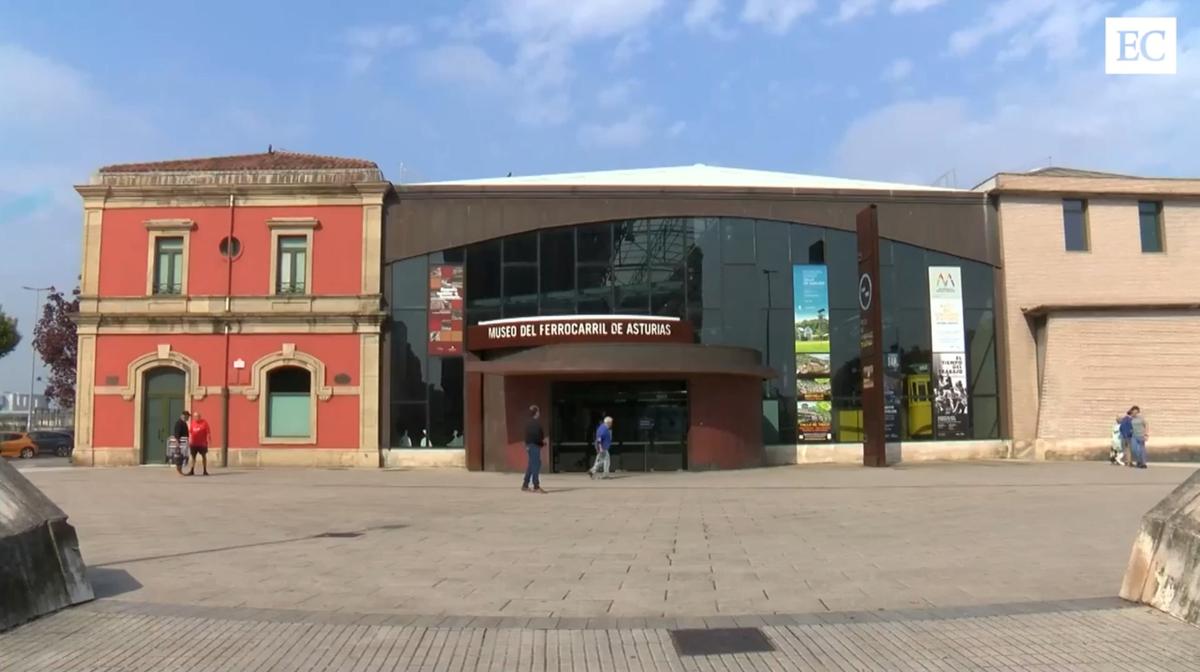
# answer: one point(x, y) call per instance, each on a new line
point(230, 247)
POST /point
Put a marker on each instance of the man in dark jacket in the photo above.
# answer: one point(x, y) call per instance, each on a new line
point(535, 438)
point(180, 434)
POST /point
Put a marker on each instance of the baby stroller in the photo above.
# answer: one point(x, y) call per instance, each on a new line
point(177, 452)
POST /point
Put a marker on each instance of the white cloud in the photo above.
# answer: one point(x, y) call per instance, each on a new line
point(898, 70)
point(463, 64)
point(1055, 26)
point(1078, 116)
point(706, 16)
point(631, 131)
point(37, 90)
point(544, 34)
point(618, 94)
point(850, 10)
point(776, 16)
point(1154, 8)
point(368, 43)
point(913, 6)
point(556, 20)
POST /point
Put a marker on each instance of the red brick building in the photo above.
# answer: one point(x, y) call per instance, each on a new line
point(243, 287)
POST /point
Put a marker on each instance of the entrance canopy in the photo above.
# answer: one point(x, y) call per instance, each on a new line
point(601, 359)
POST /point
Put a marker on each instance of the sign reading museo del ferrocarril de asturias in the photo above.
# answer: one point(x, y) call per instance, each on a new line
point(531, 331)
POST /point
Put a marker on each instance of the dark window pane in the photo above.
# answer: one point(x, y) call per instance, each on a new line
point(807, 243)
point(742, 300)
point(979, 289)
point(1150, 221)
point(737, 241)
point(704, 264)
point(455, 255)
point(595, 242)
point(521, 248)
point(446, 402)
point(409, 336)
point(483, 274)
point(981, 351)
point(912, 276)
point(841, 253)
point(633, 299)
point(1075, 225)
point(558, 261)
point(289, 379)
point(985, 418)
point(410, 283)
point(520, 282)
point(773, 246)
point(666, 299)
point(655, 242)
point(408, 425)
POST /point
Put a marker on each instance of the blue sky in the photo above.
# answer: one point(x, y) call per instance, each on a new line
point(906, 90)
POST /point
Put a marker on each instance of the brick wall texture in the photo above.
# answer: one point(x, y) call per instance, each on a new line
point(1098, 363)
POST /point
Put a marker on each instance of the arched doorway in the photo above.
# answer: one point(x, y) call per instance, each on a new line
point(162, 402)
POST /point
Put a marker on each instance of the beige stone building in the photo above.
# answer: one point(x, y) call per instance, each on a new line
point(1100, 293)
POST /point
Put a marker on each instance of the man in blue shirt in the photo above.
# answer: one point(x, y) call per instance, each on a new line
point(603, 444)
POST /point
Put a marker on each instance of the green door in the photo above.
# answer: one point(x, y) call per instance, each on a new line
point(162, 402)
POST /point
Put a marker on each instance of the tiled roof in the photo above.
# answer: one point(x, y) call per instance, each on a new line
point(1060, 171)
point(698, 175)
point(270, 160)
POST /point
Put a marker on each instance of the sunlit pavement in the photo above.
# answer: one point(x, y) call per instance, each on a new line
point(949, 566)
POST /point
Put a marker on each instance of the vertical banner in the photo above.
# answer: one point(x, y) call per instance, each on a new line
point(446, 310)
point(951, 409)
point(814, 397)
point(893, 388)
point(870, 339)
point(946, 309)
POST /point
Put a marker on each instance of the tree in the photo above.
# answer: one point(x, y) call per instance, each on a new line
point(55, 341)
point(9, 336)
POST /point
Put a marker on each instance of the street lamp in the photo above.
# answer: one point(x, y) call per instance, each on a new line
point(767, 355)
point(37, 304)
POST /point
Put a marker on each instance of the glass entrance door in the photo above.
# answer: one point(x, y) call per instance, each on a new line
point(650, 420)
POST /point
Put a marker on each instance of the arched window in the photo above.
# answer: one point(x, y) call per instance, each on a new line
point(289, 403)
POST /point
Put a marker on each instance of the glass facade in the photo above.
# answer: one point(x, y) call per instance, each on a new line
point(730, 277)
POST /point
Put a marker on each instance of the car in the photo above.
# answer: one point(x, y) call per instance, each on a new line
point(17, 444)
point(54, 442)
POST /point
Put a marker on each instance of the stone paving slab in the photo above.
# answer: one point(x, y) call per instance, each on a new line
point(932, 567)
point(706, 544)
point(1104, 634)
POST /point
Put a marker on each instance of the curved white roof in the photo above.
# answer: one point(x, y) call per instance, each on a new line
point(698, 175)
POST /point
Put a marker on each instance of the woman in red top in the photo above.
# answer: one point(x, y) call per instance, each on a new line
point(198, 434)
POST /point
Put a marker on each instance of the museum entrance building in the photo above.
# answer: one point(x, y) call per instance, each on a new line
point(712, 313)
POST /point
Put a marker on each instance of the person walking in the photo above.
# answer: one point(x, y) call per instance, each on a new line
point(1140, 431)
point(1126, 429)
point(198, 442)
point(535, 438)
point(603, 444)
point(1116, 450)
point(177, 447)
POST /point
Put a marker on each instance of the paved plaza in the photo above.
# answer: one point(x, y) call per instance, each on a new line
point(998, 565)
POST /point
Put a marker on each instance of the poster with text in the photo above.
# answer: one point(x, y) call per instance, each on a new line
point(814, 408)
point(951, 402)
point(946, 309)
point(893, 385)
point(446, 310)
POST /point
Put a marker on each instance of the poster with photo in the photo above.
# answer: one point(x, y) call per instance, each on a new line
point(951, 403)
point(446, 310)
point(893, 384)
point(814, 407)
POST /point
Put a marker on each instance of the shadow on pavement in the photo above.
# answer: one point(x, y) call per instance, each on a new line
point(108, 582)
